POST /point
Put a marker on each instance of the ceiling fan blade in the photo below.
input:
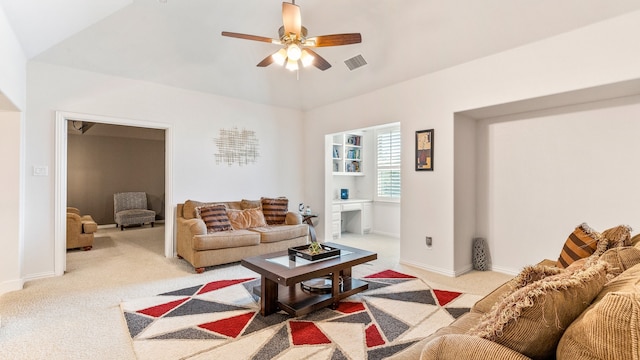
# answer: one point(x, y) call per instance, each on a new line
point(266, 61)
point(250, 37)
point(318, 60)
point(291, 18)
point(334, 40)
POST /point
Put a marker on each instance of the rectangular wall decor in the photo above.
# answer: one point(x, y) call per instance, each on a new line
point(424, 150)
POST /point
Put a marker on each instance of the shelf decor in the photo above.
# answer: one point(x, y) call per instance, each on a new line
point(424, 150)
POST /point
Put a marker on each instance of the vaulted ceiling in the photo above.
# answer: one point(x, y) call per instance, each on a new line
point(178, 42)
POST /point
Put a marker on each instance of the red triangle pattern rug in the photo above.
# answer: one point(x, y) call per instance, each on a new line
point(221, 320)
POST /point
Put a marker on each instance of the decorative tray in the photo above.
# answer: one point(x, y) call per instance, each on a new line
point(303, 252)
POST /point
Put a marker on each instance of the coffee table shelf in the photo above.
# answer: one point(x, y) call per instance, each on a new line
point(297, 302)
point(280, 287)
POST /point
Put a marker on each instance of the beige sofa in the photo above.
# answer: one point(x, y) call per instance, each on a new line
point(202, 248)
point(588, 311)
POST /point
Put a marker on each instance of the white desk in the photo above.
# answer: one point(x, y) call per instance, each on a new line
point(352, 215)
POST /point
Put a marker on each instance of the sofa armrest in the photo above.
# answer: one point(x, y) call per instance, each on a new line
point(293, 218)
point(89, 226)
point(192, 227)
point(460, 346)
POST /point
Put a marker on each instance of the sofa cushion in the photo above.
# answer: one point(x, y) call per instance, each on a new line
point(608, 329)
point(532, 319)
point(244, 219)
point(250, 204)
point(581, 243)
point(628, 281)
point(225, 239)
point(275, 210)
point(621, 258)
point(277, 233)
point(635, 240)
point(214, 217)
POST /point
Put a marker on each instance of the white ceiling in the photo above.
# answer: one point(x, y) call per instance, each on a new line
point(178, 42)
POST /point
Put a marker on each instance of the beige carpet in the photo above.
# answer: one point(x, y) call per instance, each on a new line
point(77, 316)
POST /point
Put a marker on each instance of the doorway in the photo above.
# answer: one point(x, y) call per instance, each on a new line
point(362, 181)
point(61, 168)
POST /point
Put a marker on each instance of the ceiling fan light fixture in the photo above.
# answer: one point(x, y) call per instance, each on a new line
point(294, 52)
point(280, 57)
point(306, 59)
point(292, 65)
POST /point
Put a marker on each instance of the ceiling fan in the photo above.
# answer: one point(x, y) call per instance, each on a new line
point(296, 44)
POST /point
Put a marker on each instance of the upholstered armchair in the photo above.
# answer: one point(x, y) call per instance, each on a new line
point(80, 230)
point(130, 208)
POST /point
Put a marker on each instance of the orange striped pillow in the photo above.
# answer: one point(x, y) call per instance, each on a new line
point(581, 243)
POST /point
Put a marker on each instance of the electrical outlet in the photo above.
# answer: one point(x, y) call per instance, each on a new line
point(428, 241)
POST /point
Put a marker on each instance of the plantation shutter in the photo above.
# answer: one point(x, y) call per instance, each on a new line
point(388, 163)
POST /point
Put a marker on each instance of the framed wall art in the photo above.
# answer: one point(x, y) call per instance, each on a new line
point(424, 150)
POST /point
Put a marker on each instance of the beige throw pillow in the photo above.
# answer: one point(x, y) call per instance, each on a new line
point(246, 219)
point(618, 236)
point(532, 319)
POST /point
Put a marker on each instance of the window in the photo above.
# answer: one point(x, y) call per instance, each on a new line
point(388, 163)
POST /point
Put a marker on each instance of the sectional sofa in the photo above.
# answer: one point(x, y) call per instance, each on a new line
point(588, 310)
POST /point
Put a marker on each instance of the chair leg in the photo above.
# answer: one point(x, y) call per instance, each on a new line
point(152, 224)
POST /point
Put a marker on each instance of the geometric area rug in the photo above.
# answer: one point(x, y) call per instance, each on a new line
point(221, 320)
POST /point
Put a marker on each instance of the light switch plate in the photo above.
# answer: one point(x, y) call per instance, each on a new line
point(40, 171)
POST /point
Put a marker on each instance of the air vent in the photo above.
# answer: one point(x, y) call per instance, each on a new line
point(355, 62)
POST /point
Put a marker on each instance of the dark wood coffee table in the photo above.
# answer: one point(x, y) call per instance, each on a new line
point(281, 277)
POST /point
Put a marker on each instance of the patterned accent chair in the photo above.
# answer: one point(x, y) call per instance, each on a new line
point(80, 229)
point(130, 208)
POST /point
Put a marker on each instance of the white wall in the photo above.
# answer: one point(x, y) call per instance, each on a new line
point(546, 172)
point(386, 218)
point(11, 255)
point(196, 119)
point(12, 100)
point(599, 54)
point(465, 179)
point(12, 67)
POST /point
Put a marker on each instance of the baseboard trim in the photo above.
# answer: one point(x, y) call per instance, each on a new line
point(464, 270)
point(11, 285)
point(385, 234)
point(504, 270)
point(109, 226)
point(43, 275)
point(436, 270)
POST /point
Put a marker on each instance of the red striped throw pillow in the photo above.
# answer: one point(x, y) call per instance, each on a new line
point(275, 210)
point(215, 217)
point(581, 243)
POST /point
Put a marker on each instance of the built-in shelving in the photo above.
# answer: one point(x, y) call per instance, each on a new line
point(347, 154)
